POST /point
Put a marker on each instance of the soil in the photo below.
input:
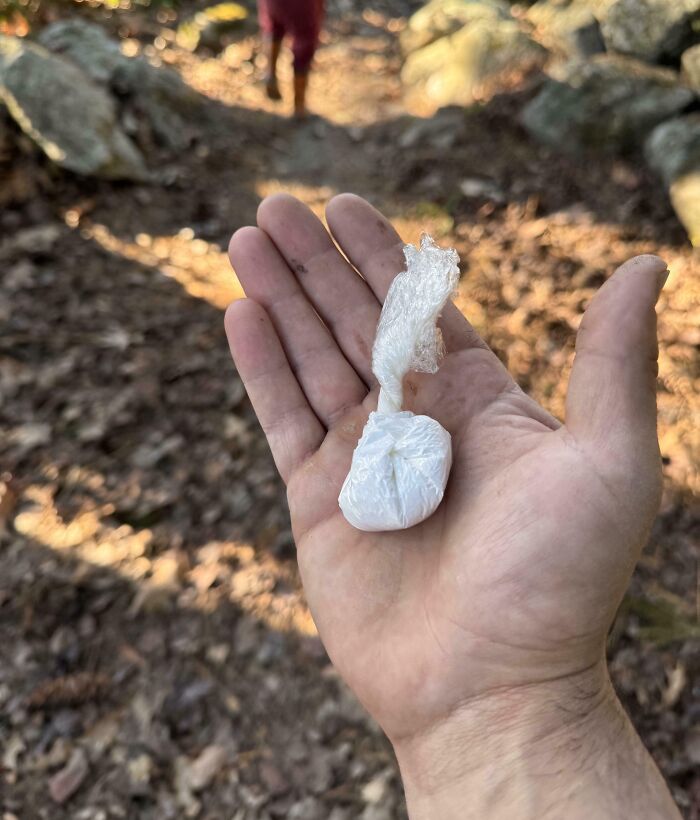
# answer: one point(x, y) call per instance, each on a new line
point(157, 658)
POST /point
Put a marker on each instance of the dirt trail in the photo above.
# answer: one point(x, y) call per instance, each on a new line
point(147, 568)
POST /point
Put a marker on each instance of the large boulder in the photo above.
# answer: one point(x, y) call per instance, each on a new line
point(608, 102)
point(159, 97)
point(86, 44)
point(440, 18)
point(156, 95)
point(650, 29)
point(69, 116)
point(673, 152)
point(690, 61)
point(567, 27)
point(458, 68)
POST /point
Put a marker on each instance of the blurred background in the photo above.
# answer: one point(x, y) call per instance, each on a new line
point(157, 659)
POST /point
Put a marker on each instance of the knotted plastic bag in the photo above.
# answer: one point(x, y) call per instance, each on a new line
point(402, 461)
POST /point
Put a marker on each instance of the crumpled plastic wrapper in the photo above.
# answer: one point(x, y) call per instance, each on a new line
point(401, 463)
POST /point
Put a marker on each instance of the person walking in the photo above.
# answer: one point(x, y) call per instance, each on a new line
point(301, 20)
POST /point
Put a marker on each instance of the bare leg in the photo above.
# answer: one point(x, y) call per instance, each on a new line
point(272, 53)
point(300, 82)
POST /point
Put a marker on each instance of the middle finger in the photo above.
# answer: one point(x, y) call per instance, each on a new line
point(342, 297)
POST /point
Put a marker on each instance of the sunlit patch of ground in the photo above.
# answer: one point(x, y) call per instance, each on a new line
point(532, 320)
point(201, 268)
point(257, 583)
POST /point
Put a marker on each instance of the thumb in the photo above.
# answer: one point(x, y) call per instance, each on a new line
point(612, 392)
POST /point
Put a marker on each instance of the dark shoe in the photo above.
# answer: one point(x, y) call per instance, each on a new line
point(272, 89)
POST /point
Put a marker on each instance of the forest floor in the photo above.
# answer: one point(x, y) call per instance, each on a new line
point(156, 652)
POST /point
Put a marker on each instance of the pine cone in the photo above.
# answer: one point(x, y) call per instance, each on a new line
point(69, 690)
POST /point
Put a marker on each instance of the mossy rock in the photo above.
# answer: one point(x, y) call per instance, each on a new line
point(608, 103)
point(650, 30)
point(673, 152)
point(455, 69)
point(86, 44)
point(158, 94)
point(568, 27)
point(441, 18)
point(69, 116)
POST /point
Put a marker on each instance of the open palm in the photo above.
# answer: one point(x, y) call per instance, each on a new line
point(516, 578)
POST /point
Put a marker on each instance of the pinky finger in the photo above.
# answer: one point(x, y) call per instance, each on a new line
point(292, 429)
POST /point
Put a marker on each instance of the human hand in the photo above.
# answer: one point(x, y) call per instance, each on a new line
point(498, 604)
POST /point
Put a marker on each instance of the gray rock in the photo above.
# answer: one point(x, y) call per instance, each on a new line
point(161, 97)
point(458, 68)
point(69, 116)
point(568, 27)
point(673, 148)
point(441, 18)
point(156, 95)
point(86, 44)
point(441, 131)
point(673, 152)
point(650, 29)
point(608, 102)
point(690, 61)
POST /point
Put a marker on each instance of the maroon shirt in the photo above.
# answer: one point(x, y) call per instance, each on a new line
point(300, 19)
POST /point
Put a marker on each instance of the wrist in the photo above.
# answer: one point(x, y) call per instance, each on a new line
point(564, 748)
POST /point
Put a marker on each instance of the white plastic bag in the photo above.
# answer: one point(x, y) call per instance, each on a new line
point(402, 461)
